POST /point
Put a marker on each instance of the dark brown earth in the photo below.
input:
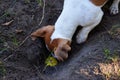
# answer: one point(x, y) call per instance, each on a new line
point(23, 59)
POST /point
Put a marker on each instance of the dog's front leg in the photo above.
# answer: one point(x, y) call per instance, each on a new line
point(114, 9)
point(83, 33)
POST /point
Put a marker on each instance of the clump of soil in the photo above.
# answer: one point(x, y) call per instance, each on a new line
point(23, 59)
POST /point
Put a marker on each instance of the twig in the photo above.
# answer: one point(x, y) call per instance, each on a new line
point(16, 49)
point(43, 13)
point(8, 57)
point(23, 41)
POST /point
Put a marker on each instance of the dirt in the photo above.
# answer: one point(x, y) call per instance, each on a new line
point(23, 59)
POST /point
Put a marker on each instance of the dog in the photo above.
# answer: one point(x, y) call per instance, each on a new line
point(86, 13)
point(59, 46)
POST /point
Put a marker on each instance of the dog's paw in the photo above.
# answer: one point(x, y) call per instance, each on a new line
point(80, 38)
point(114, 10)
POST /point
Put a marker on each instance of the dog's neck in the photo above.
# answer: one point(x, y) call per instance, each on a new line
point(99, 2)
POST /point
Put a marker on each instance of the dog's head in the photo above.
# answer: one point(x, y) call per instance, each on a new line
point(59, 46)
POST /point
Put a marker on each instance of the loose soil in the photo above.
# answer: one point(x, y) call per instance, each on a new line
point(23, 59)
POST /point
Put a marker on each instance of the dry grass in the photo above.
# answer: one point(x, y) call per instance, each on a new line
point(115, 31)
point(111, 70)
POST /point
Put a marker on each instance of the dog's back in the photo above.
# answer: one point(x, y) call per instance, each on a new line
point(76, 12)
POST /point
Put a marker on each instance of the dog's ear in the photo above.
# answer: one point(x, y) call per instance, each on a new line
point(38, 33)
point(42, 32)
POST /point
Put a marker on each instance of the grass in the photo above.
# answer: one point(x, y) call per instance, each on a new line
point(27, 1)
point(5, 14)
point(1, 41)
point(111, 70)
point(115, 31)
point(2, 69)
point(15, 41)
point(40, 2)
point(106, 53)
point(2, 49)
point(109, 56)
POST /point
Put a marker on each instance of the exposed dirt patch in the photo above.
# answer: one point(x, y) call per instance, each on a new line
point(23, 59)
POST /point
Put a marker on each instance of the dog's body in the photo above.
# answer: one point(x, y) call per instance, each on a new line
point(75, 13)
point(86, 13)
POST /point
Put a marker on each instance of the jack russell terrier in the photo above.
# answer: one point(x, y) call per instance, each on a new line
point(86, 13)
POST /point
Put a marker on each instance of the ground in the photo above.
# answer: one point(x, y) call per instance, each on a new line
point(23, 59)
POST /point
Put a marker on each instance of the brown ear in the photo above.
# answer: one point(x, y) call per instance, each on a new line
point(41, 32)
point(38, 33)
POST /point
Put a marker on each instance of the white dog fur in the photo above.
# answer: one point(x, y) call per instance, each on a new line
point(79, 12)
point(114, 9)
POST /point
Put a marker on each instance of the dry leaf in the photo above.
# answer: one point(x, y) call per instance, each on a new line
point(18, 30)
point(7, 23)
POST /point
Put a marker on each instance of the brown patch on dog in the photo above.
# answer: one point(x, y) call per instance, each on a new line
point(98, 2)
point(61, 47)
point(44, 32)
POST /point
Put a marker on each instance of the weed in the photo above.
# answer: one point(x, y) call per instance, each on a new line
point(27, 1)
point(1, 41)
point(15, 41)
point(113, 57)
point(2, 50)
point(5, 14)
point(40, 2)
point(106, 53)
point(115, 31)
point(2, 69)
